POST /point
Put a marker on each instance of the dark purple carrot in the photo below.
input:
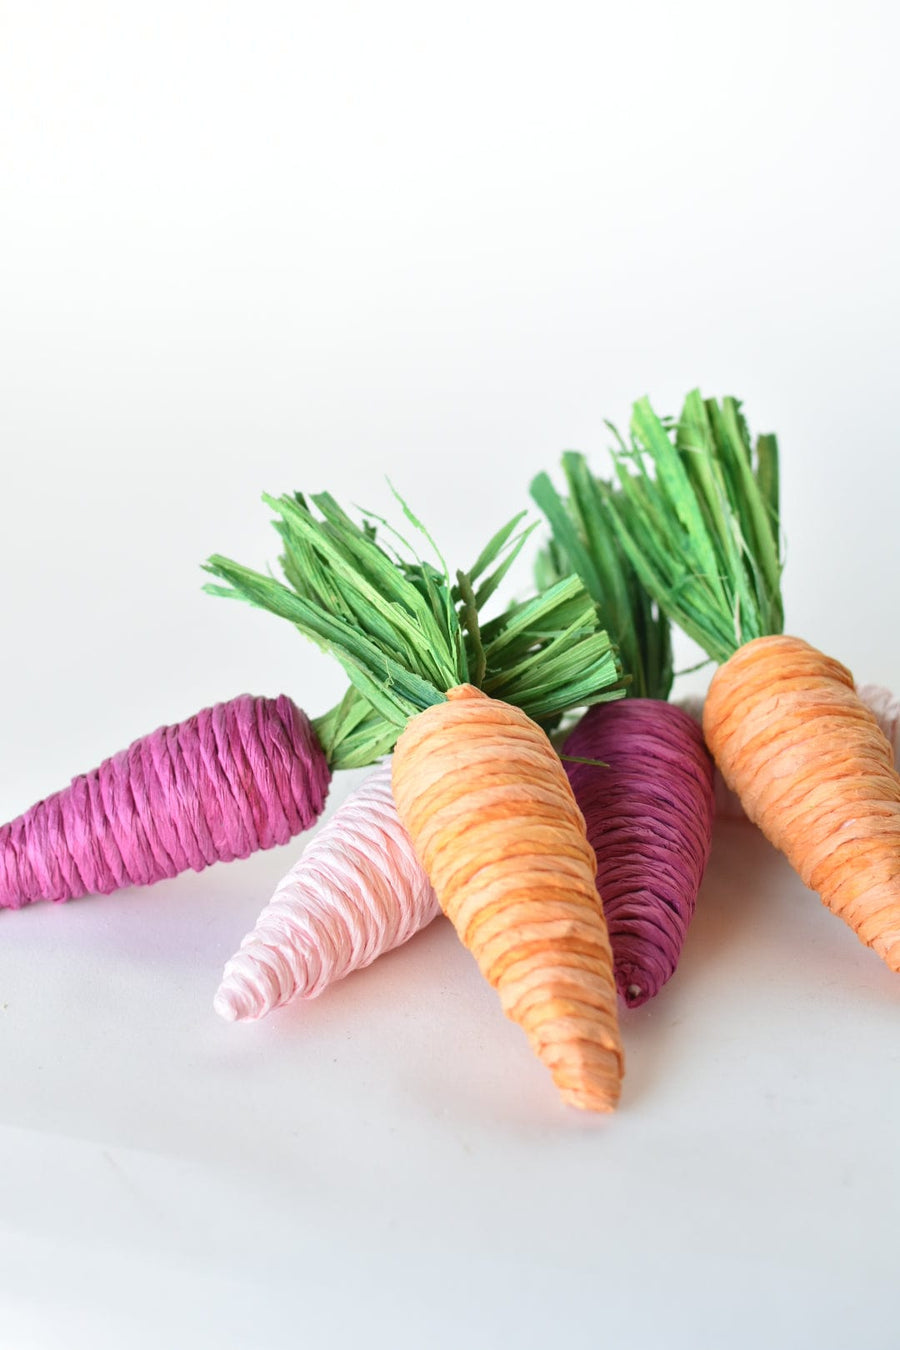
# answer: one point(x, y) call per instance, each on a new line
point(241, 776)
point(649, 818)
point(647, 798)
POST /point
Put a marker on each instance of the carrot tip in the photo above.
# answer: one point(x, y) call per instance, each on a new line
point(226, 1005)
point(589, 1101)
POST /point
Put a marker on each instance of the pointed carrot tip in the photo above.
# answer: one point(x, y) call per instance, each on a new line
point(601, 1103)
point(225, 1004)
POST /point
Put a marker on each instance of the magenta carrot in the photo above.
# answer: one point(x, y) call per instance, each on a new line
point(649, 812)
point(234, 778)
point(646, 796)
point(356, 891)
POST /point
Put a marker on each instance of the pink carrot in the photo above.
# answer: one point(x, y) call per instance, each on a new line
point(234, 778)
point(649, 819)
point(357, 890)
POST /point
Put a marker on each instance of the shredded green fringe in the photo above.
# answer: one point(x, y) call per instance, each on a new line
point(406, 634)
point(702, 529)
point(584, 540)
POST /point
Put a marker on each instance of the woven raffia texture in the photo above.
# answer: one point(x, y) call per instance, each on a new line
point(234, 778)
point(648, 808)
point(493, 819)
point(814, 770)
point(880, 701)
point(357, 890)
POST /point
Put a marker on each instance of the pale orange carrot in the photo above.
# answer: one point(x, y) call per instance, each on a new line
point(815, 772)
point(477, 783)
point(491, 814)
point(784, 722)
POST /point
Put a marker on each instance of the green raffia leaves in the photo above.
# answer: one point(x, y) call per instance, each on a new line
point(405, 634)
point(391, 628)
point(548, 654)
point(352, 734)
point(584, 540)
point(702, 530)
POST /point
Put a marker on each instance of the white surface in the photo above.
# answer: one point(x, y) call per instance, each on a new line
point(265, 246)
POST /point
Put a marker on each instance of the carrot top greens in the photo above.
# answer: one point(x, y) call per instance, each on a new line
point(702, 530)
point(584, 541)
point(406, 633)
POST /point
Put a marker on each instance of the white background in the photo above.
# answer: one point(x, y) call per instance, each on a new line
point(264, 246)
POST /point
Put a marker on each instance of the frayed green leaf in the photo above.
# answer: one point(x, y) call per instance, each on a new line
point(584, 537)
point(701, 531)
point(405, 636)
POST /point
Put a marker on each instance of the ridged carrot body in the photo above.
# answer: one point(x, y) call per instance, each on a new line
point(234, 778)
point(648, 807)
point(880, 702)
point(356, 891)
point(814, 771)
point(492, 817)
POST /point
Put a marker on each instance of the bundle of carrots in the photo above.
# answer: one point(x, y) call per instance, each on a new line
point(476, 781)
point(566, 872)
point(358, 889)
point(785, 724)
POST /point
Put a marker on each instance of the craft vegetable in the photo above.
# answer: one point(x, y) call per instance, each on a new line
point(783, 721)
point(234, 778)
point(476, 781)
point(881, 703)
point(357, 891)
point(639, 769)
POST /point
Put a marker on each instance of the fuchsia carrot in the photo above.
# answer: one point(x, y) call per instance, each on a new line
point(647, 797)
point(238, 777)
point(649, 819)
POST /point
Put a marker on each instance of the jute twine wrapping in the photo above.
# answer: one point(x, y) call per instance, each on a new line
point(649, 815)
point(356, 891)
point(815, 772)
point(234, 778)
point(492, 817)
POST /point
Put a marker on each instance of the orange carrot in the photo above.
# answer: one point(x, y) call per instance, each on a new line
point(491, 814)
point(477, 783)
point(784, 722)
point(815, 772)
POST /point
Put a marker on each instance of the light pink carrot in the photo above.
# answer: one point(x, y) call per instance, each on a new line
point(356, 891)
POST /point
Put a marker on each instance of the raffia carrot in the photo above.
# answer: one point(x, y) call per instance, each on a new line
point(786, 727)
point(639, 769)
point(234, 778)
point(495, 823)
point(476, 780)
point(647, 801)
point(882, 704)
point(357, 891)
